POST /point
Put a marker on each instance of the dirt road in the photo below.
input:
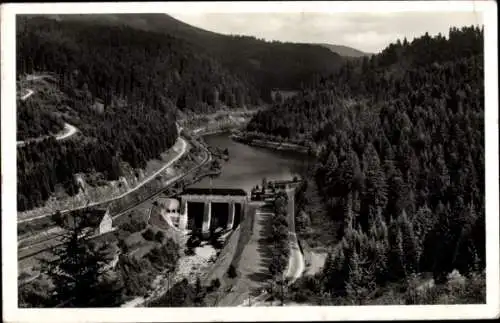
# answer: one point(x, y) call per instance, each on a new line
point(296, 264)
point(253, 272)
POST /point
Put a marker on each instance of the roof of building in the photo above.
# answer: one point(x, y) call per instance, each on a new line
point(214, 191)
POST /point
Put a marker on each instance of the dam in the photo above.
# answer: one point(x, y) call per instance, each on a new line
point(205, 209)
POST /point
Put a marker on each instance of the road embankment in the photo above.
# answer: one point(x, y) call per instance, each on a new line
point(295, 266)
point(44, 212)
point(225, 125)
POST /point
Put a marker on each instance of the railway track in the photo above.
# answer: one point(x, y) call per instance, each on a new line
point(207, 159)
point(51, 238)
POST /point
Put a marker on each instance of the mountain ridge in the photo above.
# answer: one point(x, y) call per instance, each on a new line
point(180, 26)
point(269, 64)
point(345, 51)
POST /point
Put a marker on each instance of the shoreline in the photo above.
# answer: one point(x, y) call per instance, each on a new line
point(275, 145)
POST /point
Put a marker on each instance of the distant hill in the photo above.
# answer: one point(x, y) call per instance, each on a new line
point(345, 50)
point(142, 79)
point(267, 65)
point(155, 22)
point(143, 68)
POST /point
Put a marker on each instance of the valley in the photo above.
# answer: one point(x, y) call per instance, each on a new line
point(163, 165)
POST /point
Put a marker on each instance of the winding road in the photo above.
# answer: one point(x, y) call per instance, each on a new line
point(70, 130)
point(168, 183)
point(296, 261)
point(296, 265)
point(207, 158)
point(180, 153)
point(67, 132)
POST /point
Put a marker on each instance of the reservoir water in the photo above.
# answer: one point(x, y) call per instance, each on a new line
point(247, 165)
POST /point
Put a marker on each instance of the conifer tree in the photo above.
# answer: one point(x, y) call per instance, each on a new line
point(410, 245)
point(80, 274)
point(396, 253)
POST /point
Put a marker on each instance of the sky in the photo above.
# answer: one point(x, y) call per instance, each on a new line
point(368, 32)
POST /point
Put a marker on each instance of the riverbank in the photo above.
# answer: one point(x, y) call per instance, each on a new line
point(221, 123)
point(276, 145)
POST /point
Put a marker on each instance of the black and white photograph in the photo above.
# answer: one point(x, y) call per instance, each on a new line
point(196, 160)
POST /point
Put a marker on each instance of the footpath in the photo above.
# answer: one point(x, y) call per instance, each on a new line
point(296, 264)
point(296, 261)
point(253, 264)
point(68, 131)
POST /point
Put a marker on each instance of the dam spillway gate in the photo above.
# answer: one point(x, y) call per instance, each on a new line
point(203, 210)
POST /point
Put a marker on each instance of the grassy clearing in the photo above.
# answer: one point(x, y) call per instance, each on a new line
point(251, 260)
point(315, 226)
point(139, 245)
point(320, 235)
point(230, 256)
point(219, 119)
point(36, 249)
point(155, 164)
point(34, 262)
point(28, 228)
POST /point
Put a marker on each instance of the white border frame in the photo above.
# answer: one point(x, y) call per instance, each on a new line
point(9, 206)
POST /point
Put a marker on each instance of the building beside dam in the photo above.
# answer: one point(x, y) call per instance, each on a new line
point(269, 189)
point(203, 210)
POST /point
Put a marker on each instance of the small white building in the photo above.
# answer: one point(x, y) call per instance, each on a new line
point(98, 220)
point(171, 208)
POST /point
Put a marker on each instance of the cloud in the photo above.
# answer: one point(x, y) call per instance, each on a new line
point(370, 32)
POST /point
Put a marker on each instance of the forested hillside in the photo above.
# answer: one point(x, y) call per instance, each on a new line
point(140, 77)
point(120, 80)
point(345, 50)
point(267, 65)
point(120, 61)
point(401, 167)
point(34, 120)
